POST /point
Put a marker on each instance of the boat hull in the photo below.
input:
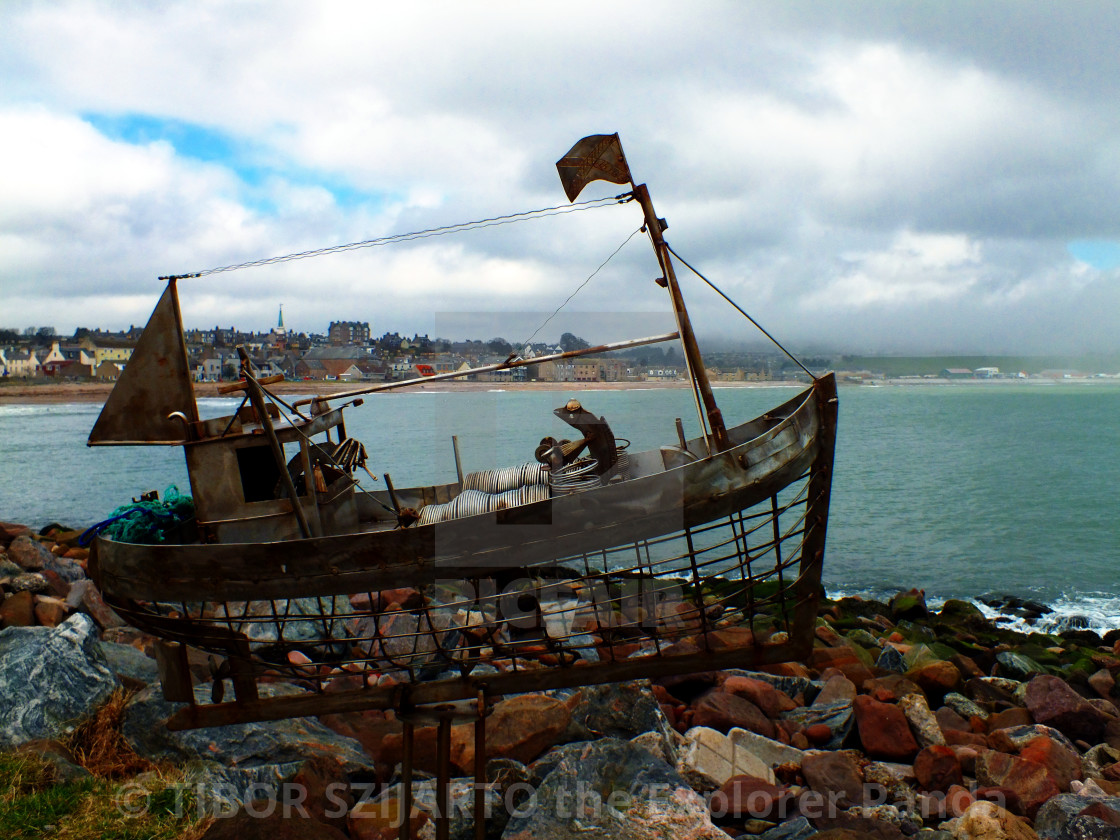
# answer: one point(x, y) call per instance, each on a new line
point(711, 563)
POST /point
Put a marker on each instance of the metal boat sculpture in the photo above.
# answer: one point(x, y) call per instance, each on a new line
point(589, 564)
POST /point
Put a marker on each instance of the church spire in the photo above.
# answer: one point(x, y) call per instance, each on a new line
point(280, 323)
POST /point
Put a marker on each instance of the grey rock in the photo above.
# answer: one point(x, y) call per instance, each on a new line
point(128, 662)
point(619, 710)
point(963, 706)
point(242, 745)
point(50, 677)
point(1059, 810)
point(1096, 759)
point(29, 582)
point(922, 722)
point(8, 568)
point(1019, 736)
point(770, 752)
point(1089, 828)
point(837, 716)
point(611, 788)
point(798, 828)
point(1018, 667)
point(891, 660)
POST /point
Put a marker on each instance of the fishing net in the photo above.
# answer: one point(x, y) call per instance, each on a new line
point(145, 522)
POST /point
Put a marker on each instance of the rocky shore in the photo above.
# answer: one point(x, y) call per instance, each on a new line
point(903, 722)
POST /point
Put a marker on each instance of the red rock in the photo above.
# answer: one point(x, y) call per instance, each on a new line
point(967, 666)
point(18, 610)
point(828, 772)
point(966, 755)
point(786, 669)
point(948, 719)
point(1053, 703)
point(957, 800)
point(520, 728)
point(50, 611)
point(936, 679)
point(324, 790)
point(1031, 782)
point(1101, 811)
point(772, 701)
point(27, 553)
point(838, 689)
point(746, 796)
point(10, 530)
point(1007, 718)
point(1064, 764)
point(85, 595)
point(937, 768)
point(883, 729)
point(829, 636)
point(889, 688)
point(842, 658)
point(722, 710)
point(818, 733)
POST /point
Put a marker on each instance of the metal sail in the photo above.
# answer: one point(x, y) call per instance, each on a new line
point(155, 384)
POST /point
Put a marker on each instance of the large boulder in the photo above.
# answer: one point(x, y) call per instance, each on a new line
point(242, 757)
point(611, 788)
point(1055, 704)
point(883, 729)
point(50, 677)
point(988, 821)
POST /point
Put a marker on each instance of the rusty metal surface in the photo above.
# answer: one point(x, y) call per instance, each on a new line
point(155, 384)
point(598, 157)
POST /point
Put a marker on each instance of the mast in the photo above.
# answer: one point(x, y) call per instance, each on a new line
point(599, 157)
point(702, 387)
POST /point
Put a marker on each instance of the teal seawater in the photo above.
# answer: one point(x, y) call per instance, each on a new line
point(960, 490)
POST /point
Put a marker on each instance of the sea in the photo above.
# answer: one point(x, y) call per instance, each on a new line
point(970, 490)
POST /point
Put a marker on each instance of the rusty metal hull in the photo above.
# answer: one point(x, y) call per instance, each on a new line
point(736, 539)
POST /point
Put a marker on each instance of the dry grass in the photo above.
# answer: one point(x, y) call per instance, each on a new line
point(98, 745)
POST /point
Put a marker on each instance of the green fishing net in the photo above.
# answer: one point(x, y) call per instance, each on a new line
point(146, 522)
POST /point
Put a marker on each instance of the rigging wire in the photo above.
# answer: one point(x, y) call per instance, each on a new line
point(524, 344)
point(741, 311)
point(462, 227)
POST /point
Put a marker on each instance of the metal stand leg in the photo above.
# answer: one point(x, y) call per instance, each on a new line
point(480, 769)
point(406, 782)
point(443, 779)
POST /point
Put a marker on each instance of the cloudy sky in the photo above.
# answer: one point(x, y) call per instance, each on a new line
point(904, 176)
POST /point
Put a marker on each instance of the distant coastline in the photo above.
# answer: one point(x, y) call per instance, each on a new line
point(97, 392)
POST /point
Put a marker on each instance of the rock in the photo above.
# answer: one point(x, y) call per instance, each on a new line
point(834, 772)
point(708, 758)
point(748, 796)
point(798, 828)
point(987, 821)
point(838, 689)
point(1088, 827)
point(18, 610)
point(85, 595)
point(1013, 739)
point(890, 660)
point(837, 717)
point(130, 664)
point(33, 582)
point(619, 710)
point(964, 707)
point(883, 729)
point(789, 684)
point(1103, 683)
point(922, 722)
point(770, 752)
point(521, 728)
point(30, 555)
point(610, 788)
point(386, 809)
point(50, 611)
point(1063, 763)
point(936, 678)
point(1095, 760)
point(1017, 667)
point(844, 659)
point(1057, 813)
point(948, 719)
point(1031, 783)
point(50, 677)
point(909, 605)
point(722, 710)
point(1052, 702)
point(1009, 718)
point(278, 748)
point(937, 768)
point(770, 700)
point(889, 688)
point(10, 530)
point(268, 821)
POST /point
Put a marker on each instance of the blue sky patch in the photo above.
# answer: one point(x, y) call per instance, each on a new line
point(1099, 253)
point(199, 142)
